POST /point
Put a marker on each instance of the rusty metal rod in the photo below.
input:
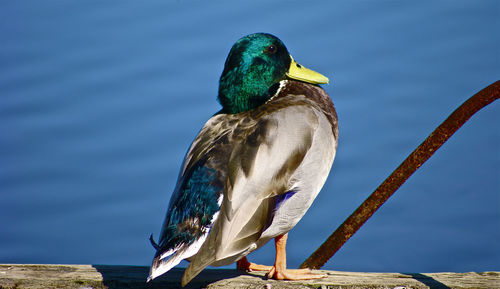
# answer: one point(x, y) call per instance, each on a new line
point(423, 152)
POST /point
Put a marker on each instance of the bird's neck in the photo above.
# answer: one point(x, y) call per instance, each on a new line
point(241, 91)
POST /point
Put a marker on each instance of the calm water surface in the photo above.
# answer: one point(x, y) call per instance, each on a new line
point(100, 100)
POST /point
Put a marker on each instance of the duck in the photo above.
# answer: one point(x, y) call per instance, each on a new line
point(255, 167)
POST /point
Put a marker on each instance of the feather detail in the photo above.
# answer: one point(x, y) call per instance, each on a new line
point(193, 210)
point(280, 199)
point(162, 263)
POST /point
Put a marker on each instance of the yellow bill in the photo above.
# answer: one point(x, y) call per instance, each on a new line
point(299, 72)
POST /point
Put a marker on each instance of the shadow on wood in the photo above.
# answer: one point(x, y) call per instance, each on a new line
point(117, 277)
point(428, 281)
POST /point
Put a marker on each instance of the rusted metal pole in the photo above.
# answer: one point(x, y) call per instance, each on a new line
point(423, 152)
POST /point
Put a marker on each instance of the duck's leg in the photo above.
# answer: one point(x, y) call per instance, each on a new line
point(244, 265)
point(279, 270)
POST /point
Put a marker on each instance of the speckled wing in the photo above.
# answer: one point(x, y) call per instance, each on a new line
point(195, 203)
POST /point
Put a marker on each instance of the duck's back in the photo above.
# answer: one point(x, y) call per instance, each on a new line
point(271, 163)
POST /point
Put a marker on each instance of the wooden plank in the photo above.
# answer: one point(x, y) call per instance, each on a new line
point(17, 276)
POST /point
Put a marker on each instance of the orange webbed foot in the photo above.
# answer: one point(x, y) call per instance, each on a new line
point(293, 274)
point(279, 270)
point(244, 265)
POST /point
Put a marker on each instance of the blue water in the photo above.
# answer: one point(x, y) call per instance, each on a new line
point(99, 102)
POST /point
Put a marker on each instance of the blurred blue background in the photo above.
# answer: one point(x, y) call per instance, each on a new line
point(99, 101)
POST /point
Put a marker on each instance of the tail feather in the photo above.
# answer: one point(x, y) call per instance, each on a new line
point(164, 261)
point(206, 255)
point(199, 263)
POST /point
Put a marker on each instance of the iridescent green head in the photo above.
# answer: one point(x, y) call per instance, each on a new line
point(253, 69)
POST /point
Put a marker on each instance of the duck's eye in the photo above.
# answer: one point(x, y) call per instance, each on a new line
point(271, 49)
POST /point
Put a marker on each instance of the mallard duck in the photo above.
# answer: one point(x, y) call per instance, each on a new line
point(255, 167)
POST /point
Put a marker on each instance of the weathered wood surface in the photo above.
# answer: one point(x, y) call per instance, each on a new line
point(112, 277)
